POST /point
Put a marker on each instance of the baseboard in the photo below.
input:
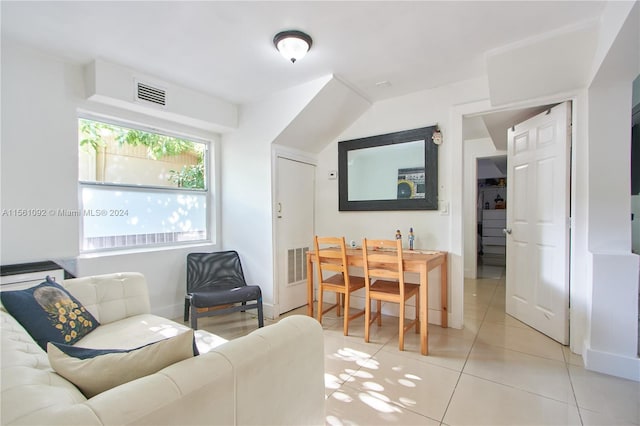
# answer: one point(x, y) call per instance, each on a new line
point(612, 364)
point(176, 311)
point(269, 311)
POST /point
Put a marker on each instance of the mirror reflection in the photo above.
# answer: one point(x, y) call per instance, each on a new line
point(387, 172)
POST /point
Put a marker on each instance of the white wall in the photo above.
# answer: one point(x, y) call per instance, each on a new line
point(39, 153)
point(611, 345)
point(432, 229)
point(41, 95)
point(247, 200)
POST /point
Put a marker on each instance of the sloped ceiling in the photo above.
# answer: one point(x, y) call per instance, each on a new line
point(493, 167)
point(494, 125)
point(497, 123)
point(330, 112)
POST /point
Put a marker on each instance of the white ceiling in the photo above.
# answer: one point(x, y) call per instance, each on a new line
point(225, 48)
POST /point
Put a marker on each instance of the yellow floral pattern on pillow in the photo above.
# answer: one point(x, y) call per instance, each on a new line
point(73, 321)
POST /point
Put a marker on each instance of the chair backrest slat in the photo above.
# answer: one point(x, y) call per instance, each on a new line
point(332, 267)
point(331, 254)
point(383, 259)
point(383, 273)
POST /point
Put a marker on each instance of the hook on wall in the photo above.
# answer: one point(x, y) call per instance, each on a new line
point(437, 136)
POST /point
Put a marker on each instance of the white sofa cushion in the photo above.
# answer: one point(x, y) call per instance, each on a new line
point(96, 370)
point(139, 330)
point(28, 384)
point(112, 297)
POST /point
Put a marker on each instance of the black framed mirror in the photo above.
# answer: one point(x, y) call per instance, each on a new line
point(395, 171)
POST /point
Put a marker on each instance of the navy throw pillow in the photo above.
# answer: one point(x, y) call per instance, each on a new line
point(49, 313)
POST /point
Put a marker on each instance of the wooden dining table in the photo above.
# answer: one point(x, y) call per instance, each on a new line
point(420, 261)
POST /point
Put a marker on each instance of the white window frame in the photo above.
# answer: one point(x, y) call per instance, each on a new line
point(211, 179)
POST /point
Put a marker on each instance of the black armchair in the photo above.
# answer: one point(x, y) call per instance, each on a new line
point(216, 280)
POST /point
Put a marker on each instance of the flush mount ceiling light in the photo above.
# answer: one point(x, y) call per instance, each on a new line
point(292, 44)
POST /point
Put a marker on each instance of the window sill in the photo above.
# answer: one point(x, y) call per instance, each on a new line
point(144, 250)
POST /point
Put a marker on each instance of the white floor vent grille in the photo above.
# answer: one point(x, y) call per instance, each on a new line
point(297, 264)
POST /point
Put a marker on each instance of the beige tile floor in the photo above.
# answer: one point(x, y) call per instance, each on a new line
point(495, 371)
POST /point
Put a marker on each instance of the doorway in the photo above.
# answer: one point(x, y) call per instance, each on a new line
point(495, 126)
point(538, 232)
point(294, 215)
point(491, 216)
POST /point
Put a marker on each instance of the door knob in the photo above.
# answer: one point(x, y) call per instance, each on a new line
point(506, 231)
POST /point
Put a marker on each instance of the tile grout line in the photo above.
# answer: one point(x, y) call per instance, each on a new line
point(495, 288)
point(573, 390)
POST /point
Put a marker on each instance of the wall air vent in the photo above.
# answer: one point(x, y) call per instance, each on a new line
point(148, 93)
point(297, 264)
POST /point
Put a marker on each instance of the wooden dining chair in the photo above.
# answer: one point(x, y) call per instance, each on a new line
point(384, 282)
point(333, 275)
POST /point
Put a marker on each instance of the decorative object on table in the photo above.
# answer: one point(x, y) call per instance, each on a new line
point(411, 238)
point(398, 234)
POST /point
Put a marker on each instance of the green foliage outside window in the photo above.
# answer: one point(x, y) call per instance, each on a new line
point(95, 134)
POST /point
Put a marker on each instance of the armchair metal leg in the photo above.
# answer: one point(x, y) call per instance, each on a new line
point(260, 315)
point(187, 305)
point(194, 318)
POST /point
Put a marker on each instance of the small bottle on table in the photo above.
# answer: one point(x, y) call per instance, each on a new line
point(411, 238)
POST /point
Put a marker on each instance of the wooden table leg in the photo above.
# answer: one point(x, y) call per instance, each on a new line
point(424, 310)
point(444, 299)
point(309, 286)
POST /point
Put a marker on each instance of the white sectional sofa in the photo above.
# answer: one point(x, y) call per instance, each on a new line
point(273, 376)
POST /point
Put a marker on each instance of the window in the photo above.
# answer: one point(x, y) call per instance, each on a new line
point(139, 187)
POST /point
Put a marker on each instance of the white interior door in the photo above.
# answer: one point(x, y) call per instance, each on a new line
point(537, 283)
point(294, 228)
